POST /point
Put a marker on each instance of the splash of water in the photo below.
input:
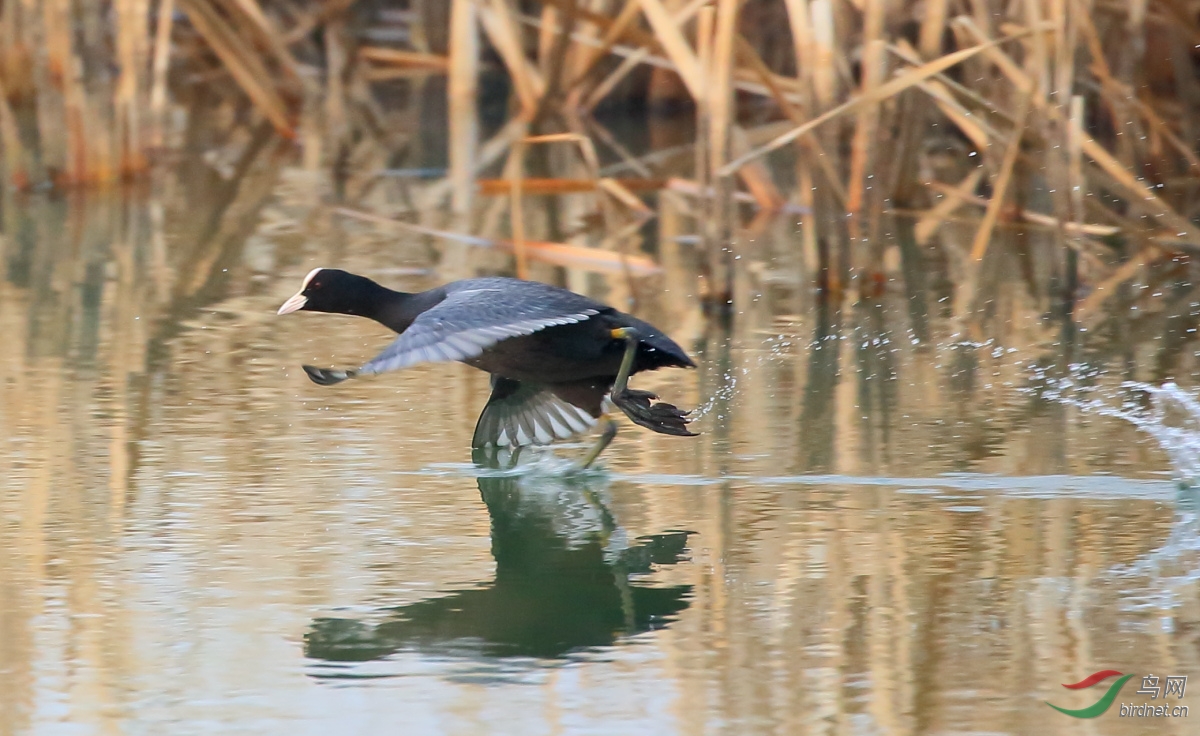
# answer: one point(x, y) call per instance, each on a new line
point(723, 394)
point(776, 347)
point(1172, 418)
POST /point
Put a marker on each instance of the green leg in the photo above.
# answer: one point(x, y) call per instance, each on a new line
point(610, 431)
point(620, 385)
point(630, 336)
point(640, 406)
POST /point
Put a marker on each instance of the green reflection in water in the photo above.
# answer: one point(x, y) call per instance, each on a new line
point(557, 587)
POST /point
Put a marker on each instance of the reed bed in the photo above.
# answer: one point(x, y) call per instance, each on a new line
point(1075, 118)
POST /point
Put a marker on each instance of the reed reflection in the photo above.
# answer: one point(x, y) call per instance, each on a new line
point(563, 582)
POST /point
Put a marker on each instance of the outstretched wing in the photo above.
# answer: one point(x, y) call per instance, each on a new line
point(472, 319)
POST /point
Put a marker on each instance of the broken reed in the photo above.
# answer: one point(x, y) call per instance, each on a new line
point(85, 86)
point(1092, 101)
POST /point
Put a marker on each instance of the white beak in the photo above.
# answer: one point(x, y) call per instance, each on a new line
point(291, 305)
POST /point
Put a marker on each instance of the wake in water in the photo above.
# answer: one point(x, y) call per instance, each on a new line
point(1172, 418)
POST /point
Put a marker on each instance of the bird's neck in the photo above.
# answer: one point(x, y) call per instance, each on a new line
point(392, 309)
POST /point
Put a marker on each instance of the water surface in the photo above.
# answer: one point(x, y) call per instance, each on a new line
point(888, 525)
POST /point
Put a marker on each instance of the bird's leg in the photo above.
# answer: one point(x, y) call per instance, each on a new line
point(606, 437)
point(639, 406)
point(631, 337)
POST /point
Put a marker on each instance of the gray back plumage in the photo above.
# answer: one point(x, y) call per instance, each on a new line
point(478, 313)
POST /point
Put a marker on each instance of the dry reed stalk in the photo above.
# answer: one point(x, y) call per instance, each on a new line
point(748, 56)
point(158, 72)
point(804, 46)
point(969, 96)
point(462, 93)
point(744, 78)
point(559, 254)
point(1028, 216)
point(627, 158)
point(1000, 187)
point(610, 82)
point(1117, 94)
point(586, 149)
point(1074, 155)
point(1159, 126)
point(719, 80)
point(1140, 196)
point(802, 38)
point(631, 61)
point(242, 62)
point(336, 123)
point(396, 57)
point(971, 126)
point(65, 140)
point(975, 127)
point(546, 38)
point(309, 22)
point(894, 86)
point(1066, 44)
point(517, 206)
point(694, 189)
point(497, 20)
point(15, 155)
point(873, 70)
point(1037, 62)
point(681, 54)
point(589, 56)
point(617, 189)
point(718, 108)
point(131, 17)
point(756, 176)
point(933, 25)
point(930, 221)
point(489, 153)
point(1091, 304)
point(497, 187)
point(267, 35)
point(515, 173)
point(703, 169)
point(824, 53)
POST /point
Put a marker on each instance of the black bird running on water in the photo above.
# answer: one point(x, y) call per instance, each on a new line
point(553, 355)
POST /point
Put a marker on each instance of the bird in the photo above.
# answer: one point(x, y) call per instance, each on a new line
point(554, 356)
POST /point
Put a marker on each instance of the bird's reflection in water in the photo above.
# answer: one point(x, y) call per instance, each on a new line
point(563, 582)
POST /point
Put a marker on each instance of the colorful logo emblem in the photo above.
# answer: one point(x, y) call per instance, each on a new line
point(1105, 700)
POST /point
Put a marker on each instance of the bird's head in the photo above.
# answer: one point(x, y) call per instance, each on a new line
point(328, 290)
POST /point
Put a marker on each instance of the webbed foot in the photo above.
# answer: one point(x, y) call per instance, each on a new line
point(659, 416)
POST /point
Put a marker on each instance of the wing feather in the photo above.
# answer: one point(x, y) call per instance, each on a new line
point(469, 321)
point(519, 414)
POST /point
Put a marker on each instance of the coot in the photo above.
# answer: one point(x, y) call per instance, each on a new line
point(554, 355)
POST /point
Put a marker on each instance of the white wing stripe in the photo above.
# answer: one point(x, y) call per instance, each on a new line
point(461, 344)
point(558, 427)
point(543, 435)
